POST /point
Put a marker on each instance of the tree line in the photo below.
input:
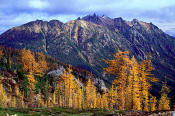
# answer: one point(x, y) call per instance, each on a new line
point(130, 89)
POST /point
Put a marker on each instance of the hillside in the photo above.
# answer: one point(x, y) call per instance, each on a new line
point(32, 81)
point(86, 41)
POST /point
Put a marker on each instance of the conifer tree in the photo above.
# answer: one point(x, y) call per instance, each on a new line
point(119, 68)
point(99, 100)
point(13, 102)
point(66, 88)
point(46, 93)
point(90, 95)
point(146, 78)
point(3, 96)
point(105, 104)
point(79, 96)
point(54, 98)
point(19, 97)
point(40, 100)
point(164, 102)
point(1, 52)
point(41, 67)
point(153, 103)
point(112, 97)
point(133, 89)
point(25, 86)
point(29, 66)
point(28, 61)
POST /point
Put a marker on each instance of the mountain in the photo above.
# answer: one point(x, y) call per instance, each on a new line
point(86, 41)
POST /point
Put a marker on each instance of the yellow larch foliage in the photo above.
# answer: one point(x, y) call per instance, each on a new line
point(164, 102)
point(54, 98)
point(66, 87)
point(41, 64)
point(61, 90)
point(112, 97)
point(17, 92)
point(146, 76)
point(153, 103)
point(19, 97)
point(1, 52)
point(29, 65)
point(13, 102)
point(78, 96)
point(3, 96)
point(90, 95)
point(119, 68)
point(61, 101)
point(31, 80)
point(40, 101)
point(75, 101)
point(28, 61)
point(133, 89)
point(105, 104)
point(99, 100)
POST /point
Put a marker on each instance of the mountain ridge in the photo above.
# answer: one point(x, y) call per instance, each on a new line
point(86, 41)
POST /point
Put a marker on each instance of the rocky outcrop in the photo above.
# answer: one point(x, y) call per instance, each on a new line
point(163, 113)
point(56, 74)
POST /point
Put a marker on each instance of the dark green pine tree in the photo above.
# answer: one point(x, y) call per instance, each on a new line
point(25, 86)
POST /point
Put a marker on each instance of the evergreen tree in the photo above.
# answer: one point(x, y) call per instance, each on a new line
point(25, 86)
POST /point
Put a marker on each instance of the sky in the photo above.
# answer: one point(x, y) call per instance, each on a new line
point(17, 12)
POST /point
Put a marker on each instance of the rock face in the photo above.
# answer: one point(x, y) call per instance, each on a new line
point(85, 42)
point(56, 74)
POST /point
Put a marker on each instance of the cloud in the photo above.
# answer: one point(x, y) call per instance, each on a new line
point(171, 32)
point(14, 13)
point(38, 4)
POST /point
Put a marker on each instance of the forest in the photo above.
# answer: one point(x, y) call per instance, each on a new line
point(130, 90)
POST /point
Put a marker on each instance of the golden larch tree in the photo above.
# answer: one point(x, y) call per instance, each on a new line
point(29, 66)
point(99, 101)
point(112, 97)
point(164, 102)
point(28, 61)
point(41, 67)
point(146, 78)
point(1, 52)
point(90, 95)
point(105, 102)
point(153, 103)
point(119, 68)
point(66, 87)
point(79, 99)
point(3, 96)
point(133, 88)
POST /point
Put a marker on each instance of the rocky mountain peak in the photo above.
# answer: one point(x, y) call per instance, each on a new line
point(92, 18)
point(55, 22)
point(135, 21)
point(119, 19)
